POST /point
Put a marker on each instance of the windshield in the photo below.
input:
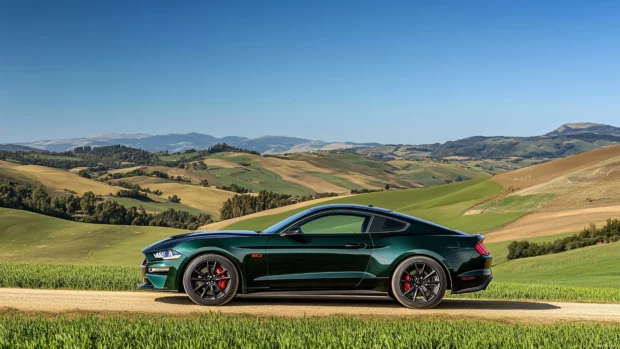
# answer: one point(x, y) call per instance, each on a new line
point(280, 225)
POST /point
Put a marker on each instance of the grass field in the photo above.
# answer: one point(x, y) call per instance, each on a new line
point(430, 173)
point(442, 204)
point(30, 237)
point(56, 181)
point(220, 331)
point(201, 198)
point(594, 266)
point(155, 206)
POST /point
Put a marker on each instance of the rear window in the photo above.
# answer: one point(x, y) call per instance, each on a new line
point(385, 225)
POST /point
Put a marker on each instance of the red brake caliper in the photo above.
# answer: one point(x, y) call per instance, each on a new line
point(221, 283)
point(407, 286)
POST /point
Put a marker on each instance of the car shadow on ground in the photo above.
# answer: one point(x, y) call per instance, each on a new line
point(362, 301)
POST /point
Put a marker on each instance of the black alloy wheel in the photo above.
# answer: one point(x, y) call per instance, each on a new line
point(211, 280)
point(419, 282)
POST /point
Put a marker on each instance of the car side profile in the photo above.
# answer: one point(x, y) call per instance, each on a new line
point(327, 249)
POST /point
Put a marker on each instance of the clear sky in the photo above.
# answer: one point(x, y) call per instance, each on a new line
point(415, 71)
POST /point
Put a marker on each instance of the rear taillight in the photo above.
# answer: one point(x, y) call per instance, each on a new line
point(481, 248)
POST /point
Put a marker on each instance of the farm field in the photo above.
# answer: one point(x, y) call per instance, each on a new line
point(55, 180)
point(204, 199)
point(225, 331)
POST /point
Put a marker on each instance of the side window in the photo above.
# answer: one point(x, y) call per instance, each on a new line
point(385, 225)
point(341, 223)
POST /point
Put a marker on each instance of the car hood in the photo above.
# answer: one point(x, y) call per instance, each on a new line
point(177, 239)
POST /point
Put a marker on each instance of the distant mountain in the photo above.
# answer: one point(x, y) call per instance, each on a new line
point(15, 147)
point(585, 127)
point(180, 142)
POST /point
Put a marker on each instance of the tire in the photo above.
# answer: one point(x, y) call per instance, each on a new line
point(428, 283)
point(220, 276)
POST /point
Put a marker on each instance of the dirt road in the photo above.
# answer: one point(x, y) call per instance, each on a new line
point(55, 301)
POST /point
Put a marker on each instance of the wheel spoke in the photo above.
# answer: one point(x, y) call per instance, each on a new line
point(408, 291)
point(429, 274)
point(416, 269)
point(424, 294)
point(224, 278)
point(415, 295)
point(221, 273)
point(198, 287)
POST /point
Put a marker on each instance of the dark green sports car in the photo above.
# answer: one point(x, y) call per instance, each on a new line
point(331, 249)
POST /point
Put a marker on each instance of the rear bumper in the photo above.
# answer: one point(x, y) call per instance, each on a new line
point(481, 287)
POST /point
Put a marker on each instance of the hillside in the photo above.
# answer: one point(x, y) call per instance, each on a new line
point(594, 266)
point(30, 237)
point(566, 194)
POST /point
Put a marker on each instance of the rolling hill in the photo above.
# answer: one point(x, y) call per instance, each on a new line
point(31, 237)
point(560, 196)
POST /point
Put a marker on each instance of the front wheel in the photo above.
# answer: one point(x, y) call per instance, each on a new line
point(211, 279)
point(419, 282)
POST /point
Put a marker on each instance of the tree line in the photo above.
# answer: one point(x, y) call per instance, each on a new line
point(587, 237)
point(89, 208)
point(242, 205)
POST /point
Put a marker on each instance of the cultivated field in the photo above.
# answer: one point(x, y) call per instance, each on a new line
point(55, 180)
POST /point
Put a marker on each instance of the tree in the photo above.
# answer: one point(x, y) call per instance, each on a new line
point(387, 187)
point(174, 198)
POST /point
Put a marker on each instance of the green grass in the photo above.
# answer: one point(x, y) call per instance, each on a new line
point(593, 266)
point(234, 331)
point(516, 203)
point(441, 204)
point(27, 236)
point(69, 276)
point(153, 206)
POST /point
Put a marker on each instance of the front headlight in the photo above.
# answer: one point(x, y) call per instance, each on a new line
point(167, 254)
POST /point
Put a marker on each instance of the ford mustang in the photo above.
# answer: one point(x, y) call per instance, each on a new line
point(327, 249)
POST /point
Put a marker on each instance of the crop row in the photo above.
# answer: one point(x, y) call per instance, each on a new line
point(111, 278)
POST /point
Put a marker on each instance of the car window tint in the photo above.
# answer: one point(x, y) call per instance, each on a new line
point(383, 225)
point(335, 224)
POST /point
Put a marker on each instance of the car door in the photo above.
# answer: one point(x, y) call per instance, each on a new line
point(328, 250)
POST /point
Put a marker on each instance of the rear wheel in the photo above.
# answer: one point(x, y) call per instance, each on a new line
point(211, 279)
point(419, 282)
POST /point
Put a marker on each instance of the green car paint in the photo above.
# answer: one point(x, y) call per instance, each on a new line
point(275, 260)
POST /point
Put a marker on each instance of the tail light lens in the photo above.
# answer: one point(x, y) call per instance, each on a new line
point(482, 249)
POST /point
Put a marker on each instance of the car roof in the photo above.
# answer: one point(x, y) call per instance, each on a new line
point(372, 209)
point(350, 206)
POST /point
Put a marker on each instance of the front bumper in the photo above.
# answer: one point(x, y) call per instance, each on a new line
point(159, 275)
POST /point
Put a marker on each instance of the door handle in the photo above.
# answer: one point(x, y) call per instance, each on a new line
point(355, 246)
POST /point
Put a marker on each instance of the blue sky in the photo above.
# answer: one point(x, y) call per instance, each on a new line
point(391, 72)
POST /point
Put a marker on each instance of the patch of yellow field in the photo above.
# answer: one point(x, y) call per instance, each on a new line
point(538, 174)
point(549, 223)
point(223, 224)
point(7, 164)
point(202, 198)
point(221, 163)
point(297, 172)
point(56, 181)
point(77, 169)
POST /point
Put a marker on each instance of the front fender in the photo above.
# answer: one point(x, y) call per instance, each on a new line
point(191, 253)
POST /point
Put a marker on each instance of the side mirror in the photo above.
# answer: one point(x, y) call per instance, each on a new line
point(292, 232)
